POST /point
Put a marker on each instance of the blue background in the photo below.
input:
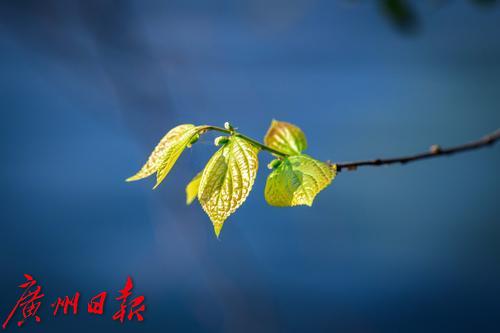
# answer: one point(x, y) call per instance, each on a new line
point(88, 88)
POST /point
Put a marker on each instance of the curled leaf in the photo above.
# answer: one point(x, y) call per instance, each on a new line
point(221, 140)
point(158, 154)
point(285, 137)
point(192, 188)
point(274, 164)
point(227, 180)
point(297, 181)
point(194, 139)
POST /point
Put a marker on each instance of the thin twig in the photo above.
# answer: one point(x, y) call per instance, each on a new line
point(434, 151)
point(249, 139)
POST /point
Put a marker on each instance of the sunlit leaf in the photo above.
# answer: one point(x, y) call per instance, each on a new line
point(285, 137)
point(297, 181)
point(192, 188)
point(227, 180)
point(158, 154)
point(173, 151)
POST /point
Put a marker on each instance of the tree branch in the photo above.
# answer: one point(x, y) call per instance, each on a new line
point(434, 151)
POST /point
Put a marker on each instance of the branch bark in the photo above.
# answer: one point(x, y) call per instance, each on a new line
point(434, 151)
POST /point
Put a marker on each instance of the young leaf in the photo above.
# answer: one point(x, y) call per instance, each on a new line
point(158, 154)
point(227, 180)
point(192, 188)
point(285, 137)
point(173, 151)
point(297, 181)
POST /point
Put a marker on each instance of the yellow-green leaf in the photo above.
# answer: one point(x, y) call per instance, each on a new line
point(297, 181)
point(227, 180)
point(285, 137)
point(192, 188)
point(173, 151)
point(158, 154)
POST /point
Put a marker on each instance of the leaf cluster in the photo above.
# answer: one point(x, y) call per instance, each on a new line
point(227, 179)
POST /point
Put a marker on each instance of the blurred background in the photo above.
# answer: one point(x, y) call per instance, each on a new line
point(87, 88)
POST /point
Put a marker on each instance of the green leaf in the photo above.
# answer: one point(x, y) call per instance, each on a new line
point(192, 188)
point(227, 180)
point(297, 181)
point(158, 155)
point(173, 151)
point(285, 137)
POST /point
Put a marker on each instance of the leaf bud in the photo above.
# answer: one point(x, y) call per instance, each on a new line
point(194, 139)
point(221, 140)
point(435, 149)
point(274, 164)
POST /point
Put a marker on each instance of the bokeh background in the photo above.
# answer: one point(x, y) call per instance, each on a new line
point(88, 87)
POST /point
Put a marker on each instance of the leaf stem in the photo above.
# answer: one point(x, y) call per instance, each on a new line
point(252, 141)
